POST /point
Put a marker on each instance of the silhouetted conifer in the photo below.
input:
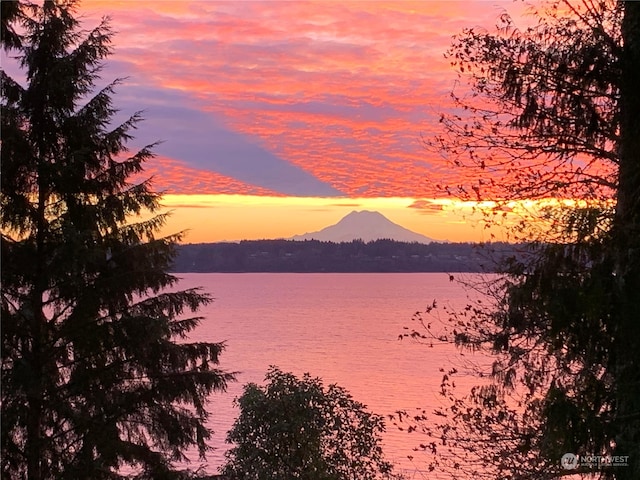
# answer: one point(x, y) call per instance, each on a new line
point(98, 376)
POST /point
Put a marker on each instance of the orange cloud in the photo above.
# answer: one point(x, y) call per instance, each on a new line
point(426, 207)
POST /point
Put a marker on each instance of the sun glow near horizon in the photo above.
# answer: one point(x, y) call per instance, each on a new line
point(215, 218)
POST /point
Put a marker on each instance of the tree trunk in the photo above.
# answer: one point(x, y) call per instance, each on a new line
point(627, 242)
point(34, 448)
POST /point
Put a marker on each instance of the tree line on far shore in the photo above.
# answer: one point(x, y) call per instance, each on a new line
point(355, 256)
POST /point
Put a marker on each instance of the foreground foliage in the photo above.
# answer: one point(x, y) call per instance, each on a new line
point(298, 428)
point(97, 376)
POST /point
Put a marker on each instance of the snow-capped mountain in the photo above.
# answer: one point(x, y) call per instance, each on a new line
point(366, 226)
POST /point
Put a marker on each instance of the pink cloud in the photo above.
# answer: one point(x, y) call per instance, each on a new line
point(174, 176)
point(343, 90)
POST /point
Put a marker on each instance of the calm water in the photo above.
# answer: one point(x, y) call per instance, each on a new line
point(341, 327)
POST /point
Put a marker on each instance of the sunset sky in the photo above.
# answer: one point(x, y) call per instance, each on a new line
point(279, 118)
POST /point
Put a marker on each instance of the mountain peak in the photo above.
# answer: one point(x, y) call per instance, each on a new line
point(364, 225)
point(364, 213)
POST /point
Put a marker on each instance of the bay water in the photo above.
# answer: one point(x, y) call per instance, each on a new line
point(343, 328)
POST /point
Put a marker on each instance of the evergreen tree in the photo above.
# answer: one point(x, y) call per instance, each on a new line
point(554, 108)
point(10, 12)
point(98, 377)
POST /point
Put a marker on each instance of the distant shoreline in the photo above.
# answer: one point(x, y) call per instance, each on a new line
point(313, 256)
